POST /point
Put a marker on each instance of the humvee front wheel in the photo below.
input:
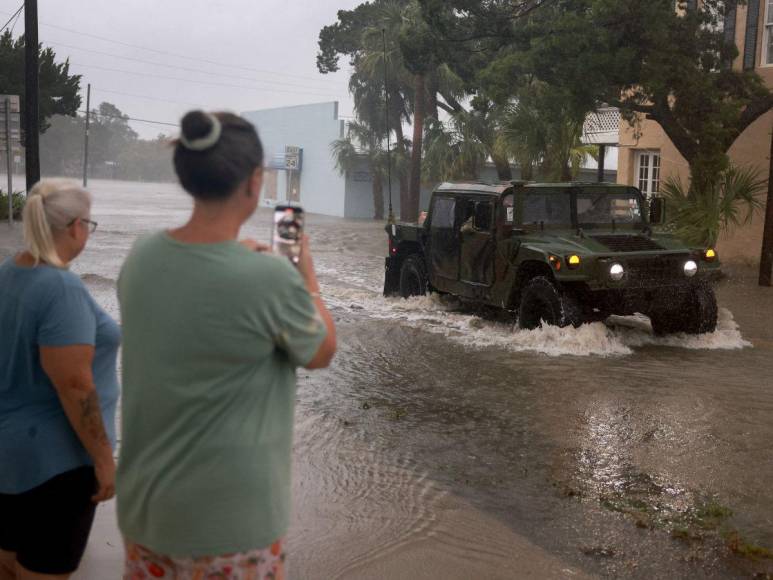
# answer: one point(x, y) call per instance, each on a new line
point(695, 313)
point(413, 277)
point(543, 301)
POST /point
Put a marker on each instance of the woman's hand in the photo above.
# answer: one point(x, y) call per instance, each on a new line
point(254, 246)
point(306, 266)
point(105, 472)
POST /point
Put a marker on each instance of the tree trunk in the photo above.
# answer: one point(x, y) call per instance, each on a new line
point(432, 91)
point(411, 213)
point(378, 196)
point(766, 258)
point(504, 172)
point(402, 175)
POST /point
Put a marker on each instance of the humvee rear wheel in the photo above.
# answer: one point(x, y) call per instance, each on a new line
point(413, 277)
point(695, 313)
point(542, 301)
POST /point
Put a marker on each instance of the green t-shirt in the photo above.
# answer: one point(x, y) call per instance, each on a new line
point(213, 334)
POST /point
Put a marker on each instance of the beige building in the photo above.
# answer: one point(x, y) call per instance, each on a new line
point(648, 158)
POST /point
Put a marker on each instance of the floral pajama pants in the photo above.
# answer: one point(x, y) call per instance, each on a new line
point(260, 564)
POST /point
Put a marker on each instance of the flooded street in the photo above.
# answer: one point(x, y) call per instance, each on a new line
point(441, 444)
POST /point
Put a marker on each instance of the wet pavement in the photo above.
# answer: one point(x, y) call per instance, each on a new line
point(445, 445)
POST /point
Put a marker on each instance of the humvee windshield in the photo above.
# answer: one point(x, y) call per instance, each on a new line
point(594, 207)
point(605, 207)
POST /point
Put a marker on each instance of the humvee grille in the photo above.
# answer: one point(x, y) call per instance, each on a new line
point(646, 271)
point(628, 243)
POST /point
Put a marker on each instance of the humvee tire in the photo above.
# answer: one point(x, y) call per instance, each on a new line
point(542, 300)
point(696, 313)
point(413, 277)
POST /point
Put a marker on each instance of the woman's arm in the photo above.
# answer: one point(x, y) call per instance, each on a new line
point(327, 349)
point(69, 368)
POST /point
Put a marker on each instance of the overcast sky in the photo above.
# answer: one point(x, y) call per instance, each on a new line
point(217, 54)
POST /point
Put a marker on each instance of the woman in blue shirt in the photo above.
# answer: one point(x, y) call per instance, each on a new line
point(58, 391)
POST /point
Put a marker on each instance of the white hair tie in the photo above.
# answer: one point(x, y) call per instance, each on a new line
point(208, 140)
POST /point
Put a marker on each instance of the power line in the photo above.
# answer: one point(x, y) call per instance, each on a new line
point(15, 14)
point(149, 98)
point(176, 67)
point(182, 56)
point(126, 118)
point(242, 87)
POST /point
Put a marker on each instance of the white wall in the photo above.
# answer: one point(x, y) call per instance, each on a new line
point(313, 128)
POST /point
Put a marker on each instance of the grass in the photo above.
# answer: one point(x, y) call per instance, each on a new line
point(705, 520)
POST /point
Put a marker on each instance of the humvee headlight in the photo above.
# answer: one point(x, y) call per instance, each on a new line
point(710, 255)
point(573, 261)
point(690, 268)
point(555, 261)
point(616, 272)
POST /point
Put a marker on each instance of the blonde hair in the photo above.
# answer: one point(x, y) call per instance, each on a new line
point(51, 206)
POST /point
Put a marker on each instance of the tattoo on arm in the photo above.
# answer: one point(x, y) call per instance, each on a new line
point(91, 418)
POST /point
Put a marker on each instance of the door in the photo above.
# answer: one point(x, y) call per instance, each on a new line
point(443, 240)
point(477, 243)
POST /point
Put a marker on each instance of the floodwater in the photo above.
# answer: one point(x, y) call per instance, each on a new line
point(445, 445)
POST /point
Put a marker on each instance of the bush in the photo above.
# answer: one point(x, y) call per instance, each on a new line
point(700, 216)
point(18, 204)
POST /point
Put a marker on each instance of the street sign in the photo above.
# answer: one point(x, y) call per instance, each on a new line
point(12, 126)
point(10, 137)
point(293, 158)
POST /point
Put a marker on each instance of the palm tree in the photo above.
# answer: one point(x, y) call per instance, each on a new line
point(451, 152)
point(700, 214)
point(539, 133)
point(362, 142)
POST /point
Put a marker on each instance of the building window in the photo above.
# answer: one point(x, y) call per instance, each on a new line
point(648, 172)
point(768, 41)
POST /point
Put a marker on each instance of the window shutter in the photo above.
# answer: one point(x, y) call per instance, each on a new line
point(730, 19)
point(752, 25)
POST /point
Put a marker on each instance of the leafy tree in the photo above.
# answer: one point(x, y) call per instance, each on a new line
point(360, 35)
point(58, 88)
point(361, 142)
point(451, 151)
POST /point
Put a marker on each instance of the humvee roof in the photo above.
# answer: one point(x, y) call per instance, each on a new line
point(499, 188)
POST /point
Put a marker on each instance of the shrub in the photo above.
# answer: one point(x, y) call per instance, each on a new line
point(18, 200)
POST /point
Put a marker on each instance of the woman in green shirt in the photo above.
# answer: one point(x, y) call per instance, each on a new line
point(213, 333)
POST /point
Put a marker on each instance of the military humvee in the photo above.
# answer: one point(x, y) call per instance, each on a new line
point(560, 253)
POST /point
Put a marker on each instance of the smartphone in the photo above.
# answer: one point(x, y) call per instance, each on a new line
point(288, 231)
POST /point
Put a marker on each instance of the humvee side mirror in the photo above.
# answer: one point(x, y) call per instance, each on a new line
point(657, 210)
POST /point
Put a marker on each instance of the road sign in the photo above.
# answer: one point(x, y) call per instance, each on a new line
point(293, 157)
point(12, 126)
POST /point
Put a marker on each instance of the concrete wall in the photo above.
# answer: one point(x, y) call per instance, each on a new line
point(313, 128)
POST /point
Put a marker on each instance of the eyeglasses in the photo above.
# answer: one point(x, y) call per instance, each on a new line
point(90, 224)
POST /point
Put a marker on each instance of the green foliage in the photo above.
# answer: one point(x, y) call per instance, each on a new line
point(542, 136)
point(699, 215)
point(58, 88)
point(18, 200)
point(647, 58)
point(452, 152)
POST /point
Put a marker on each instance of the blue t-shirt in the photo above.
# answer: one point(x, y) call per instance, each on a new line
point(47, 306)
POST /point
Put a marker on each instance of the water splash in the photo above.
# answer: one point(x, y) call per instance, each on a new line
point(617, 337)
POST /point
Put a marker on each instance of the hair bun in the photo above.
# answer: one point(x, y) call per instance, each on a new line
point(200, 130)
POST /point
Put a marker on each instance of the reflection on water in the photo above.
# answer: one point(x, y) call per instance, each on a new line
point(589, 446)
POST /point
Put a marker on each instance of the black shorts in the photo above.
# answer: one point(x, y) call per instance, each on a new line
point(48, 526)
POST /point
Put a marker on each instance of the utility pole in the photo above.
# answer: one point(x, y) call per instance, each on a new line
point(86, 137)
point(31, 93)
point(766, 257)
point(602, 158)
point(9, 158)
